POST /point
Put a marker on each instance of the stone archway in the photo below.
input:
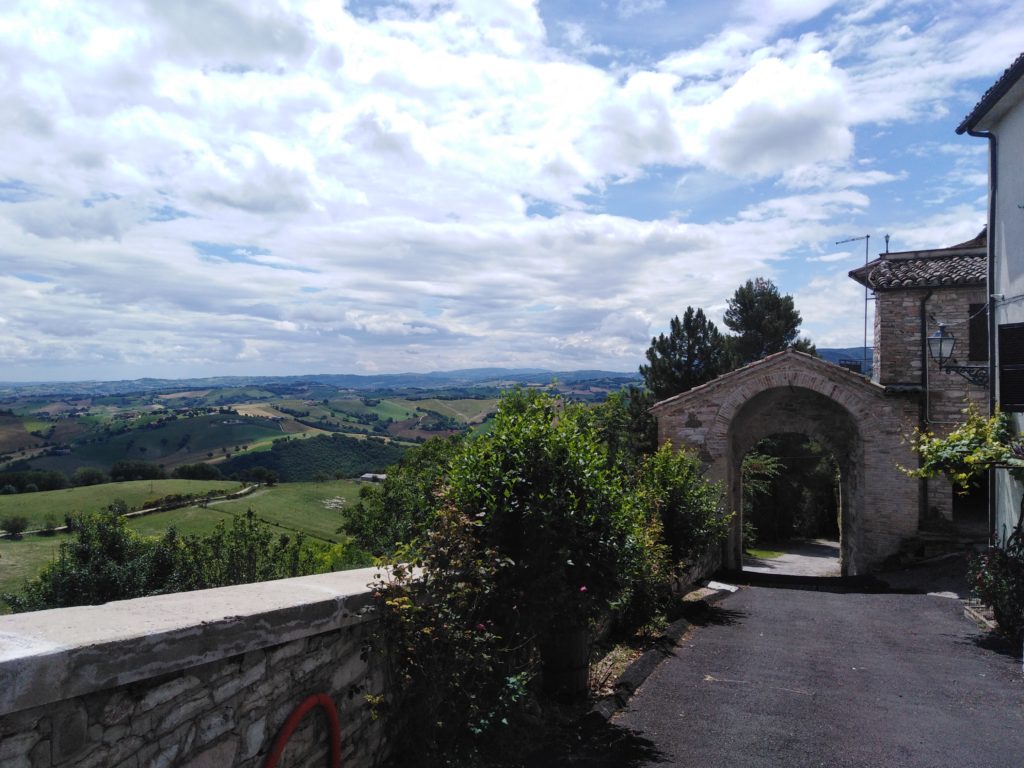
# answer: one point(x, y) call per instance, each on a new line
point(861, 423)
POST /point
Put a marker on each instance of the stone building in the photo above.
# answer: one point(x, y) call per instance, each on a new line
point(916, 293)
point(865, 424)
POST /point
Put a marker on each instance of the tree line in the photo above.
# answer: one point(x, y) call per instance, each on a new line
point(695, 351)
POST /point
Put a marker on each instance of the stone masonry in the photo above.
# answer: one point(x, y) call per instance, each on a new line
point(939, 286)
point(867, 425)
point(863, 425)
point(192, 680)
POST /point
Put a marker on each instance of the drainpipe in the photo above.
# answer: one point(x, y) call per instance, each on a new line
point(922, 495)
point(990, 286)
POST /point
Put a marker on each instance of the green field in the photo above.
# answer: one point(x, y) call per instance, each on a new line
point(37, 506)
point(187, 520)
point(467, 411)
point(174, 441)
point(299, 506)
point(24, 559)
point(290, 507)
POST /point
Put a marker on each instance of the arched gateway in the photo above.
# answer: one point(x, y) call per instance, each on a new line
point(863, 424)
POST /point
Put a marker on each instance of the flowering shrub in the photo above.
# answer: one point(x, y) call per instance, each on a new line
point(997, 579)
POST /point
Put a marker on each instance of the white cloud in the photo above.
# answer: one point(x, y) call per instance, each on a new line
point(779, 114)
point(630, 8)
point(830, 258)
point(832, 307)
point(375, 183)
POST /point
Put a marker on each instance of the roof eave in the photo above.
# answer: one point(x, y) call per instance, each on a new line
point(999, 90)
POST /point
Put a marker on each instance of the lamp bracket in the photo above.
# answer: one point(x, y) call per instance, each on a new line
point(976, 374)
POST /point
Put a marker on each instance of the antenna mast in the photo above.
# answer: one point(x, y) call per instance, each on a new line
point(867, 242)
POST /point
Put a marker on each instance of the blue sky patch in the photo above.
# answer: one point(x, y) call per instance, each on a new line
point(17, 191)
point(30, 277)
point(168, 213)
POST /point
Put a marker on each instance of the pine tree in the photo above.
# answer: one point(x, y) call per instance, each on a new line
point(764, 321)
point(693, 353)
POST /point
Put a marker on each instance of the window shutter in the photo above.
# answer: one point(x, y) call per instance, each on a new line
point(1011, 367)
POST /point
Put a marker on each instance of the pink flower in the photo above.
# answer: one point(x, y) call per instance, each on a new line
point(481, 627)
point(583, 588)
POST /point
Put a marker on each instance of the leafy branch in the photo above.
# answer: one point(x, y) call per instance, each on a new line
point(969, 451)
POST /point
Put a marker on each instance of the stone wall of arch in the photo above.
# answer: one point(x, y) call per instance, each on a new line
point(865, 426)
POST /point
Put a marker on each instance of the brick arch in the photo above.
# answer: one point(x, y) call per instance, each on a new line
point(862, 424)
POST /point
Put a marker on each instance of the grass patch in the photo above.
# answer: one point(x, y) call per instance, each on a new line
point(24, 559)
point(312, 508)
point(92, 498)
point(764, 554)
point(188, 520)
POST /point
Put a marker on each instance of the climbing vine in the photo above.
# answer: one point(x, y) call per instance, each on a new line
point(974, 447)
point(979, 444)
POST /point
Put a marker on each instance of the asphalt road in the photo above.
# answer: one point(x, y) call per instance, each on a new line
point(793, 678)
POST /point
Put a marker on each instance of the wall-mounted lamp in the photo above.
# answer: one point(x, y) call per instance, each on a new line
point(940, 349)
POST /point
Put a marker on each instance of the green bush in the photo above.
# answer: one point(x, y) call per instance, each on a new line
point(125, 470)
point(968, 451)
point(105, 560)
point(996, 577)
point(682, 520)
point(520, 534)
point(198, 471)
point(15, 525)
point(671, 485)
point(397, 512)
point(297, 461)
point(88, 476)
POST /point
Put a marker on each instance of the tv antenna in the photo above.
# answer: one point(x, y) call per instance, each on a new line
point(867, 243)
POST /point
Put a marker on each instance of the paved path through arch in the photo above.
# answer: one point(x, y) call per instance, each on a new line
point(800, 557)
point(783, 677)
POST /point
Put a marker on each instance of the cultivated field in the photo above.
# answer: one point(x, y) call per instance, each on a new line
point(92, 498)
point(14, 436)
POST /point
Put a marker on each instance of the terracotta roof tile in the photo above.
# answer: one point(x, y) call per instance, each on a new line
point(926, 272)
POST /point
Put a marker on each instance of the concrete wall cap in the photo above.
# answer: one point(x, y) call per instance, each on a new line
point(56, 654)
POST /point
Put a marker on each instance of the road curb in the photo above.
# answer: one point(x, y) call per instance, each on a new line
point(979, 618)
point(641, 668)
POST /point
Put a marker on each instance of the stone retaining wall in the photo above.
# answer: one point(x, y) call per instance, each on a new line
point(193, 679)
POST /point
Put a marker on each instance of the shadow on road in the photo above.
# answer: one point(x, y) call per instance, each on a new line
point(712, 615)
point(996, 643)
point(603, 746)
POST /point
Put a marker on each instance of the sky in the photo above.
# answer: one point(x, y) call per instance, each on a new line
point(213, 187)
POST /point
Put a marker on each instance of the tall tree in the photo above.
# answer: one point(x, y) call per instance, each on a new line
point(764, 322)
point(693, 353)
